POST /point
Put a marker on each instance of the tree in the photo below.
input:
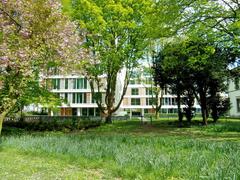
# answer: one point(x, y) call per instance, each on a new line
point(195, 68)
point(116, 36)
point(160, 77)
point(219, 19)
point(34, 37)
point(165, 23)
point(171, 70)
point(36, 94)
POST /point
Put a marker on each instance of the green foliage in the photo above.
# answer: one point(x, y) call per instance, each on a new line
point(194, 67)
point(116, 37)
point(46, 123)
point(67, 8)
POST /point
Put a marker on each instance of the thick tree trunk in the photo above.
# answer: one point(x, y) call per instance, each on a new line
point(204, 116)
point(2, 117)
point(203, 104)
point(189, 115)
point(156, 115)
point(108, 119)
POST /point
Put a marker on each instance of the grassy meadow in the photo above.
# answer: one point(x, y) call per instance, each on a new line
point(124, 150)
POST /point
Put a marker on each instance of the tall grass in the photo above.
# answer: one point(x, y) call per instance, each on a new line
point(142, 157)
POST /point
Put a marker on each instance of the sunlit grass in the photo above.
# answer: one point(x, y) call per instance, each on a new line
point(129, 150)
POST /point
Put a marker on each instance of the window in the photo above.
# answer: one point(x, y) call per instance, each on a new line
point(162, 101)
point(79, 98)
point(167, 101)
point(66, 83)
point(238, 105)
point(56, 83)
point(66, 97)
point(135, 91)
point(97, 112)
point(91, 111)
point(80, 83)
point(149, 91)
point(164, 110)
point(135, 101)
point(84, 111)
point(174, 101)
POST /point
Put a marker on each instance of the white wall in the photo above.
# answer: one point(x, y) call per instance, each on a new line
point(234, 95)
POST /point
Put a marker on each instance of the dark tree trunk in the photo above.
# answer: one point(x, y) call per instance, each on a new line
point(157, 108)
point(215, 114)
point(180, 115)
point(158, 105)
point(108, 119)
point(204, 110)
point(204, 115)
point(189, 109)
point(189, 115)
point(203, 104)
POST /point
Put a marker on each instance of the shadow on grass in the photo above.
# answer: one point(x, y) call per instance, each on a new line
point(228, 129)
point(221, 130)
point(14, 131)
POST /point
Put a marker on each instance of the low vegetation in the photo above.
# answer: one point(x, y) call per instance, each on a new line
point(125, 150)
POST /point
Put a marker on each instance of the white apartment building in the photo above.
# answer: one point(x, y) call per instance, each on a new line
point(138, 100)
point(234, 95)
point(76, 92)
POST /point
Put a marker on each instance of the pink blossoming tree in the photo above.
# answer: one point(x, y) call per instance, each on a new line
point(34, 37)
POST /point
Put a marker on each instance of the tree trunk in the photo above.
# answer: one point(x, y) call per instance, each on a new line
point(108, 119)
point(156, 115)
point(180, 115)
point(204, 110)
point(158, 105)
point(156, 108)
point(204, 115)
point(2, 117)
point(189, 109)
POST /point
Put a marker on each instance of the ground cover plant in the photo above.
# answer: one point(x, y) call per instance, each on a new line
point(124, 150)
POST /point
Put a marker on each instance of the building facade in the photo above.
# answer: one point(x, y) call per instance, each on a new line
point(234, 95)
point(139, 99)
point(76, 93)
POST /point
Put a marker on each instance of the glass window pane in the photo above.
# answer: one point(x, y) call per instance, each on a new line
point(135, 91)
point(66, 83)
point(135, 101)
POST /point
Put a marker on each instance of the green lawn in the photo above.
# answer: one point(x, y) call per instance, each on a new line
point(124, 150)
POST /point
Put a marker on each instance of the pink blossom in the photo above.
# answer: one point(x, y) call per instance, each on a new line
point(4, 58)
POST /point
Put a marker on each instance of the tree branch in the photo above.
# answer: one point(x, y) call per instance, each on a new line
point(11, 18)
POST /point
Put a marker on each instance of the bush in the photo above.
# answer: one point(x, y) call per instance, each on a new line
point(50, 123)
